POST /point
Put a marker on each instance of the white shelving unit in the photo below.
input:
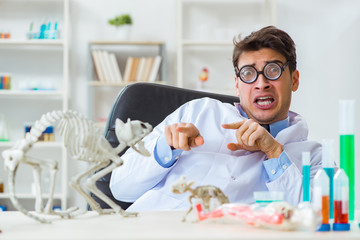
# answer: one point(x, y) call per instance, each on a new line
point(205, 31)
point(102, 94)
point(34, 62)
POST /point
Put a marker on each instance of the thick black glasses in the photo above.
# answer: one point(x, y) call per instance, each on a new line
point(271, 71)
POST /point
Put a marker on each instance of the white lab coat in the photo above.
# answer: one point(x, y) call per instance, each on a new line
point(239, 174)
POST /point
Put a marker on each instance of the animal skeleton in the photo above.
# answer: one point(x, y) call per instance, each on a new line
point(85, 142)
point(207, 194)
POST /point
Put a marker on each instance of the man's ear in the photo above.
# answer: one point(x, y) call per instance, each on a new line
point(295, 81)
point(237, 86)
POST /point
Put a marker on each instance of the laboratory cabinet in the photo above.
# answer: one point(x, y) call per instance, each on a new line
point(34, 57)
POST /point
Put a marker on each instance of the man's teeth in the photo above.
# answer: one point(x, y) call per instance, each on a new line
point(264, 100)
point(264, 103)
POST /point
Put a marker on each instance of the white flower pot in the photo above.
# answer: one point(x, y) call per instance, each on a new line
point(123, 32)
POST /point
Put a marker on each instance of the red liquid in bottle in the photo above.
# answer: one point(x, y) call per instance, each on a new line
point(339, 215)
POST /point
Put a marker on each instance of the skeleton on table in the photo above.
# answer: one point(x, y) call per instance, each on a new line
point(210, 196)
point(85, 142)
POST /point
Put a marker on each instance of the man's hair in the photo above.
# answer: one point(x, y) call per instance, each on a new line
point(267, 37)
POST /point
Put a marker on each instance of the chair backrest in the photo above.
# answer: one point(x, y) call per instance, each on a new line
point(148, 102)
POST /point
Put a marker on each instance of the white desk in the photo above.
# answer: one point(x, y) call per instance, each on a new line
point(148, 225)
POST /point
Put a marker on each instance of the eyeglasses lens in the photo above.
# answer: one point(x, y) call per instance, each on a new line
point(248, 74)
point(272, 71)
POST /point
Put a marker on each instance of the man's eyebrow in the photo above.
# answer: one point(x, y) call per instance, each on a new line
point(275, 61)
point(271, 61)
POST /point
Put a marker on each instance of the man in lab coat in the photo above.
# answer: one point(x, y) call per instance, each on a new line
point(254, 145)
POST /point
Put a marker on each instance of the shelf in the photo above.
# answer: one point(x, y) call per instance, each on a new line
point(28, 196)
point(125, 43)
point(36, 145)
point(30, 93)
point(35, 62)
point(55, 42)
point(97, 83)
point(207, 43)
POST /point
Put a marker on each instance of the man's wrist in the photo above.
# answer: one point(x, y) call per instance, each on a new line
point(275, 151)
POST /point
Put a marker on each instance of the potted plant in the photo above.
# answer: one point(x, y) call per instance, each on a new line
point(123, 25)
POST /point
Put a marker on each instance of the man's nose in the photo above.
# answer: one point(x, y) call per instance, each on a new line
point(262, 82)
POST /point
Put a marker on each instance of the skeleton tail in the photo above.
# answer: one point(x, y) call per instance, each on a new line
point(15, 201)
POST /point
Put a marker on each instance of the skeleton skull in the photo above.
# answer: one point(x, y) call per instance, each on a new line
point(132, 132)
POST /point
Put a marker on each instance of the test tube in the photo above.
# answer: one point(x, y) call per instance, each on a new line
point(306, 176)
point(347, 155)
point(321, 198)
point(328, 165)
point(341, 201)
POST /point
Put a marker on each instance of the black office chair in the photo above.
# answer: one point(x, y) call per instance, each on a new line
point(148, 102)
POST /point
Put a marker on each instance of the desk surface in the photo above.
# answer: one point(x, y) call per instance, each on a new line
point(148, 225)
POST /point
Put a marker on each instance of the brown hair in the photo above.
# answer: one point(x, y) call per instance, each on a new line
point(267, 37)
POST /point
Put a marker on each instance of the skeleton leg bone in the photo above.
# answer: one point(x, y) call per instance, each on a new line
point(76, 184)
point(90, 184)
point(49, 204)
point(53, 168)
point(38, 188)
point(52, 165)
point(191, 208)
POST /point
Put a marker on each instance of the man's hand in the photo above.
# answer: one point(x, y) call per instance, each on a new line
point(183, 136)
point(251, 136)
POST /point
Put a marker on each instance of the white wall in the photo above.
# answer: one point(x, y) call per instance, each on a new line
point(327, 35)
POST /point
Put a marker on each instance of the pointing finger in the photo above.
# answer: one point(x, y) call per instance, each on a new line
point(233, 125)
point(234, 146)
point(188, 129)
point(199, 140)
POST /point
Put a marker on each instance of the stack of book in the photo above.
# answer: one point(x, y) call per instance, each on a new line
point(106, 66)
point(137, 69)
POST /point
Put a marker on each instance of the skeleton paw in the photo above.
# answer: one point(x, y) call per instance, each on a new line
point(68, 213)
point(106, 211)
point(130, 214)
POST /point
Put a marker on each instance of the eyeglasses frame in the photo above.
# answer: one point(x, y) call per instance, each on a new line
point(237, 71)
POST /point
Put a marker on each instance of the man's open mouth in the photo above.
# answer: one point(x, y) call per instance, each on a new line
point(264, 101)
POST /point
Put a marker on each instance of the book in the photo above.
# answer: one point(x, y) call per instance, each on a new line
point(140, 69)
point(97, 66)
point(115, 68)
point(155, 69)
point(112, 77)
point(134, 67)
point(148, 66)
point(127, 70)
point(105, 65)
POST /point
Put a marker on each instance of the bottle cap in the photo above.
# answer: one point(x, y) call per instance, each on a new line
point(346, 117)
point(324, 228)
point(327, 153)
point(305, 158)
point(341, 227)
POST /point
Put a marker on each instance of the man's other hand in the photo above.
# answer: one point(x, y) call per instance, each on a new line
point(183, 136)
point(251, 136)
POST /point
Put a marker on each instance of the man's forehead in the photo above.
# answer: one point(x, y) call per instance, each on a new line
point(261, 56)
